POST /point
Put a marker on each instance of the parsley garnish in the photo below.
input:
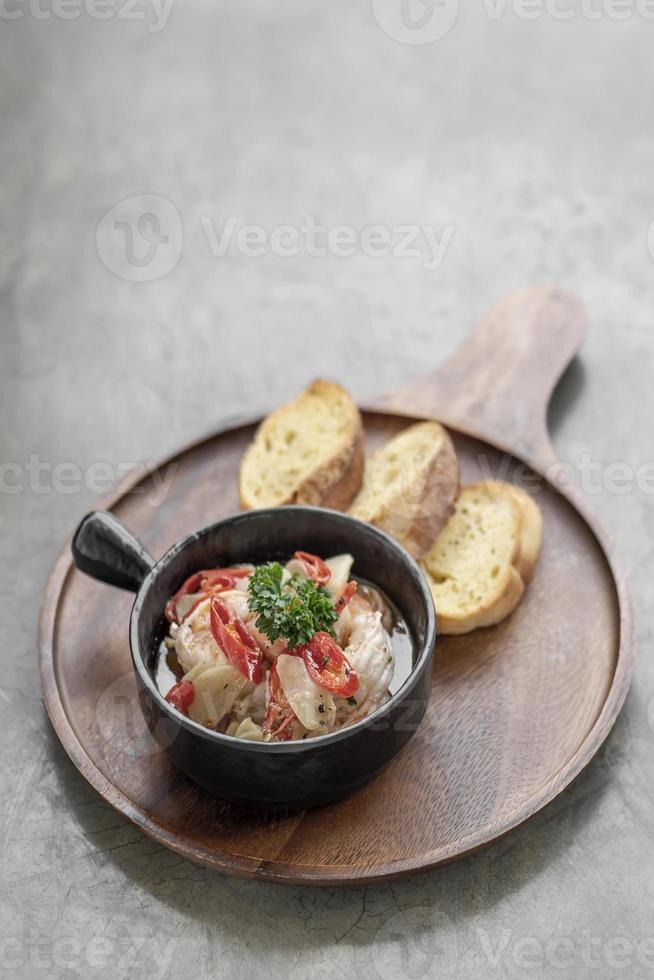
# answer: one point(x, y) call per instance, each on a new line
point(295, 611)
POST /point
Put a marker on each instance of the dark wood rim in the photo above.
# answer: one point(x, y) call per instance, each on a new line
point(270, 871)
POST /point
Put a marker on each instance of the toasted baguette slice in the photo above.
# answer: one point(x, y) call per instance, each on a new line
point(410, 485)
point(478, 568)
point(309, 451)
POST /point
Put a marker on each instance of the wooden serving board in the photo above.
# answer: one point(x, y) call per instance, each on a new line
point(516, 712)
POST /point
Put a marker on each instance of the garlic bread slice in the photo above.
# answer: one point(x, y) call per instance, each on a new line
point(479, 565)
point(309, 451)
point(410, 485)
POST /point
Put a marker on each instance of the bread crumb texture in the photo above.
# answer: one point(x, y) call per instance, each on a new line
point(314, 432)
point(474, 567)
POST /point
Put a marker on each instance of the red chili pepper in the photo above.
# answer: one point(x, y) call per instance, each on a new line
point(231, 635)
point(315, 567)
point(204, 581)
point(222, 578)
point(181, 696)
point(345, 597)
point(192, 584)
point(328, 666)
point(279, 715)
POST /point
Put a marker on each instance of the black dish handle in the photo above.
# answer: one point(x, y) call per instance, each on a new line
point(104, 548)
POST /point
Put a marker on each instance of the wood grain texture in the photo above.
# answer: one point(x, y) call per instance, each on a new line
point(499, 382)
point(516, 712)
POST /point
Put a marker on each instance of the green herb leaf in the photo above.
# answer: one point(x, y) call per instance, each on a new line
point(295, 611)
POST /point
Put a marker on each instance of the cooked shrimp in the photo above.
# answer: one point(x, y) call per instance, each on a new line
point(370, 655)
point(194, 641)
point(357, 607)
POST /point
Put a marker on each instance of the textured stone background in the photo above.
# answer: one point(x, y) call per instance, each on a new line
point(532, 138)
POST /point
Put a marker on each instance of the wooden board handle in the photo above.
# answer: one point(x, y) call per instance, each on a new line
point(499, 382)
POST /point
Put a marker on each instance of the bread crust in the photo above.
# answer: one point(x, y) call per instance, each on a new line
point(416, 514)
point(336, 481)
point(531, 533)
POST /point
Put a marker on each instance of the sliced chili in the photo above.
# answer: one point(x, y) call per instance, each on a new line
point(181, 696)
point(204, 581)
point(328, 666)
point(314, 566)
point(232, 636)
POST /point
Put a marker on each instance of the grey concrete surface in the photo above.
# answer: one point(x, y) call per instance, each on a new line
point(531, 140)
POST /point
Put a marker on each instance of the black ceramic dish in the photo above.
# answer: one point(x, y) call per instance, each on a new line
point(267, 774)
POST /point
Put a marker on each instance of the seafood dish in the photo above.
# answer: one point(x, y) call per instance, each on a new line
point(277, 651)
